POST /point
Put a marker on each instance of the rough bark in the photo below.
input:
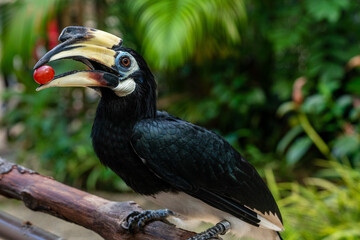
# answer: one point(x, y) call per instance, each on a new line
point(41, 193)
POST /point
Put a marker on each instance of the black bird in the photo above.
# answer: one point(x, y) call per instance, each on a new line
point(191, 171)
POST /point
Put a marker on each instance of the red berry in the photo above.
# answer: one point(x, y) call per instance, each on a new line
point(44, 74)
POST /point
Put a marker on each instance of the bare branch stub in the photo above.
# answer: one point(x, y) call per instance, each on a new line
point(41, 193)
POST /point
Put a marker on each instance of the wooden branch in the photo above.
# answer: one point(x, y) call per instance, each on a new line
point(41, 193)
point(14, 228)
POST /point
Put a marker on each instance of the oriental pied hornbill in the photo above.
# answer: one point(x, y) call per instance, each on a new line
point(183, 167)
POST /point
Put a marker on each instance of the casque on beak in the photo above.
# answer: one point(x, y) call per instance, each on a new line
point(94, 48)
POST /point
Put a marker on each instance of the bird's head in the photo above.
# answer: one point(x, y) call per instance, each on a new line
point(116, 72)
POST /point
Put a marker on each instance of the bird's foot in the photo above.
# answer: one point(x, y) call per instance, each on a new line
point(213, 233)
point(137, 220)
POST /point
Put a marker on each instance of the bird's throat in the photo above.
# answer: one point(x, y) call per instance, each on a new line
point(111, 133)
point(115, 118)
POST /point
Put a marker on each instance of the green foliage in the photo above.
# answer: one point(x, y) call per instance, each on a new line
point(174, 30)
point(226, 65)
point(330, 93)
point(51, 128)
point(23, 22)
point(326, 10)
point(230, 66)
point(326, 207)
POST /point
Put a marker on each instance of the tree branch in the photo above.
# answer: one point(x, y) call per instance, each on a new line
point(41, 193)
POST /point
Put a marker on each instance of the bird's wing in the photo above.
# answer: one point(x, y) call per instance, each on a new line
point(202, 164)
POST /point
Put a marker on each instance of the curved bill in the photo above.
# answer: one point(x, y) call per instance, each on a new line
point(82, 79)
point(80, 52)
point(95, 48)
point(91, 36)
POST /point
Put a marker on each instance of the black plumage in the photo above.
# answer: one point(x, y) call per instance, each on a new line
point(202, 164)
point(156, 153)
point(178, 155)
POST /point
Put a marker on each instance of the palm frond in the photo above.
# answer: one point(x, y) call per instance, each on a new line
point(172, 30)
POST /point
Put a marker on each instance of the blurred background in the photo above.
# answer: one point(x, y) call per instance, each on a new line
point(279, 80)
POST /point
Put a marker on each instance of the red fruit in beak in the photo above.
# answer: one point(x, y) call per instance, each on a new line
point(44, 74)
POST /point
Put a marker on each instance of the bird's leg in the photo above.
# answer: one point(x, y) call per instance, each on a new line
point(138, 219)
point(212, 233)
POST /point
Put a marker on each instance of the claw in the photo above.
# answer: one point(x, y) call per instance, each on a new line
point(132, 214)
point(127, 224)
point(212, 233)
point(137, 220)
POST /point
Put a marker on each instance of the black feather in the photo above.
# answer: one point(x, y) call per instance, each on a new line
point(155, 152)
point(202, 164)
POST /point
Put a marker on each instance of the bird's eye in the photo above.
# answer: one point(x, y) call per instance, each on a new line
point(125, 61)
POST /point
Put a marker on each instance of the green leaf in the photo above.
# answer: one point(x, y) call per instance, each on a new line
point(171, 30)
point(353, 86)
point(345, 234)
point(93, 178)
point(329, 10)
point(298, 150)
point(286, 108)
point(286, 140)
point(314, 104)
point(346, 145)
point(331, 71)
point(326, 88)
point(341, 105)
point(283, 40)
point(255, 96)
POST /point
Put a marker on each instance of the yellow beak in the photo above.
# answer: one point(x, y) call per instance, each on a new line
point(95, 48)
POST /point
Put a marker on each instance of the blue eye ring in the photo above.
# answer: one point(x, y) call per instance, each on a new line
point(123, 62)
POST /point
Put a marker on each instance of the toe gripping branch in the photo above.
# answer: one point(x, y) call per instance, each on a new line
point(212, 233)
point(138, 220)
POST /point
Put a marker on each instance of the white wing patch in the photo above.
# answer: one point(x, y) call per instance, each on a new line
point(270, 221)
point(264, 223)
